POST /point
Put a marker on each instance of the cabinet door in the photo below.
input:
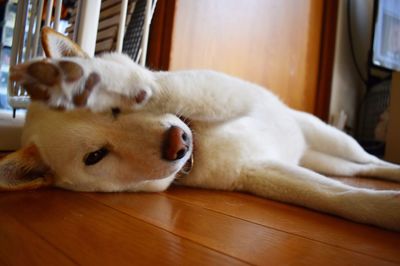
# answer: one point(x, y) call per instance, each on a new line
point(276, 44)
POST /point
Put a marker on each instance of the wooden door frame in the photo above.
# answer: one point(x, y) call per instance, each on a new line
point(326, 59)
point(161, 35)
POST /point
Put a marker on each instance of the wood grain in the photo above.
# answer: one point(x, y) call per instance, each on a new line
point(93, 234)
point(273, 43)
point(231, 233)
point(183, 226)
point(19, 245)
point(327, 229)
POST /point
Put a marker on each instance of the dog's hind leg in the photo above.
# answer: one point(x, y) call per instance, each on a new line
point(333, 152)
point(334, 166)
point(329, 140)
point(297, 185)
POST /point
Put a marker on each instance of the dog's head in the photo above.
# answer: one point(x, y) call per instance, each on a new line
point(86, 151)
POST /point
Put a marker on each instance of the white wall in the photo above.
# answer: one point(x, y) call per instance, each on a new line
point(347, 87)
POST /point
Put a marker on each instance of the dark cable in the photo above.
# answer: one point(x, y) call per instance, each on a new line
point(353, 56)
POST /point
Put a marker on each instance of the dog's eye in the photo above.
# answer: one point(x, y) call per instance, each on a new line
point(95, 157)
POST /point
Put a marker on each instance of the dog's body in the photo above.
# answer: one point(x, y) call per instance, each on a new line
point(241, 137)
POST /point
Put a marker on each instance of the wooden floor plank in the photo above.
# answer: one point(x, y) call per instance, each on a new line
point(250, 242)
point(94, 234)
point(19, 246)
point(310, 224)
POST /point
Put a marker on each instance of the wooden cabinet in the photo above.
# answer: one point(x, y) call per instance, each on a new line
point(277, 44)
point(392, 151)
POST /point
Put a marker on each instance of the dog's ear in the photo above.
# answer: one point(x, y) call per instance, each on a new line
point(23, 170)
point(56, 45)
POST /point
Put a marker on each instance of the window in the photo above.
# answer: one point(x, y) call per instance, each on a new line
point(10, 127)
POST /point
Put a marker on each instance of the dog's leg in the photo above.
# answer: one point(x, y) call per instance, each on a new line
point(331, 165)
point(300, 186)
point(333, 152)
point(327, 139)
point(70, 79)
point(115, 81)
point(98, 84)
point(208, 96)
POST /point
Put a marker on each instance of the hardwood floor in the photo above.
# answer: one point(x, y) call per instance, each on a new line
point(182, 226)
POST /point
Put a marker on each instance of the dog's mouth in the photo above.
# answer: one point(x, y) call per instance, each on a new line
point(188, 166)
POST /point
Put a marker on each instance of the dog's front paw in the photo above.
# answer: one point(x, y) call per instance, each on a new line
point(68, 84)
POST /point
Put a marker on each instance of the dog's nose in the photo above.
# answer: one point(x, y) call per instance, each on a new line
point(176, 144)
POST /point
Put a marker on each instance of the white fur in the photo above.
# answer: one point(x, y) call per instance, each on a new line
point(244, 137)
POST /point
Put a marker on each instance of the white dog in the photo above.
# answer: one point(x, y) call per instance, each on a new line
point(129, 129)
